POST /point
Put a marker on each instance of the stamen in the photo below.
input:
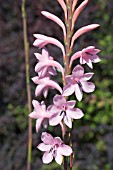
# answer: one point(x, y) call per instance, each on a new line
point(79, 83)
point(89, 53)
point(63, 111)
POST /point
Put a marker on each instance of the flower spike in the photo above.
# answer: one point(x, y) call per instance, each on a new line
point(43, 40)
point(55, 19)
point(83, 30)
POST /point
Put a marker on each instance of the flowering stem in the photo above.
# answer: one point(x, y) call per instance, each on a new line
point(26, 47)
point(66, 64)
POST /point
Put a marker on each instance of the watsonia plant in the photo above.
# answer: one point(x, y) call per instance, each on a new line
point(63, 110)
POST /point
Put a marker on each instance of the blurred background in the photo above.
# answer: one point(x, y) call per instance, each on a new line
point(92, 135)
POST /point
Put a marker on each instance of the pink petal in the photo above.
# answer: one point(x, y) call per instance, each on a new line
point(43, 147)
point(54, 85)
point(45, 54)
point(83, 30)
point(55, 119)
point(63, 5)
point(78, 11)
point(95, 59)
point(74, 57)
point(55, 19)
point(89, 63)
point(68, 121)
point(68, 78)
point(78, 71)
point(47, 157)
point(47, 138)
point(65, 150)
point(75, 113)
point(68, 90)
point(39, 66)
point(34, 115)
point(88, 87)
point(59, 100)
point(38, 124)
point(39, 56)
point(87, 76)
point(53, 109)
point(78, 92)
point(39, 89)
point(82, 61)
point(36, 104)
point(71, 104)
point(45, 92)
point(59, 158)
point(49, 40)
point(57, 140)
point(40, 43)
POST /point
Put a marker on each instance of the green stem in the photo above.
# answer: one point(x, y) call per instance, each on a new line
point(26, 47)
point(68, 22)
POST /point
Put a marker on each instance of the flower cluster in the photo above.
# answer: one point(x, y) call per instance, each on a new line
point(62, 111)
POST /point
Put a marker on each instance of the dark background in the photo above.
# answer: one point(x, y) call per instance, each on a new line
point(92, 135)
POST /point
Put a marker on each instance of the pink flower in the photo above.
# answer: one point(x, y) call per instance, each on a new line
point(40, 114)
point(42, 40)
point(77, 82)
point(63, 109)
point(46, 65)
point(44, 84)
point(89, 55)
point(53, 148)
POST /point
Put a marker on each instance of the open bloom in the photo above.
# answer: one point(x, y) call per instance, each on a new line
point(40, 114)
point(77, 82)
point(43, 67)
point(63, 109)
point(53, 148)
point(44, 84)
point(89, 55)
point(46, 65)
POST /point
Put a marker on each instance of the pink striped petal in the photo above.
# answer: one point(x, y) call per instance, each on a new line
point(48, 40)
point(78, 11)
point(55, 19)
point(74, 57)
point(81, 31)
point(63, 5)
